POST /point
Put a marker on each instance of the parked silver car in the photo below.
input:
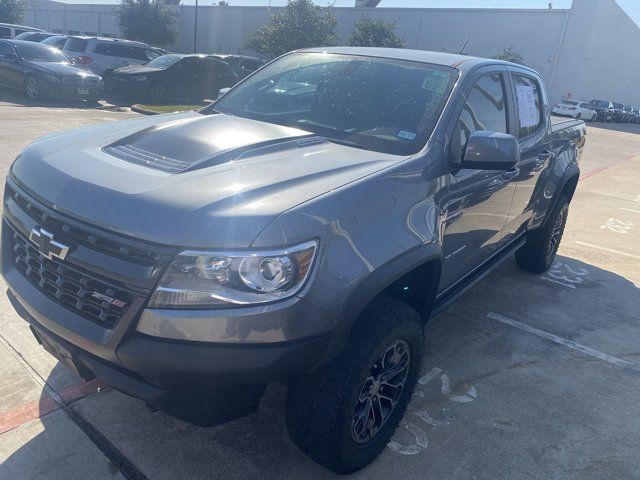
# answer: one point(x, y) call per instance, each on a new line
point(101, 54)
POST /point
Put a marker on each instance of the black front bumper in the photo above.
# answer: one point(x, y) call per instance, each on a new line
point(204, 384)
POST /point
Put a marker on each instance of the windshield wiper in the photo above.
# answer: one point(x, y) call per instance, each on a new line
point(345, 142)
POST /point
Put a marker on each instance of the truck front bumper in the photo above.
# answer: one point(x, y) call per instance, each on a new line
point(202, 383)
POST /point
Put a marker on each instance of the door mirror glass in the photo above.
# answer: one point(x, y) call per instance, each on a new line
point(490, 151)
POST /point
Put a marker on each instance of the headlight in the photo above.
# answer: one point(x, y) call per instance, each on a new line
point(50, 78)
point(139, 79)
point(211, 280)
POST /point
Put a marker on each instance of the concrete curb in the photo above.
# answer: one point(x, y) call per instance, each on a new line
point(138, 109)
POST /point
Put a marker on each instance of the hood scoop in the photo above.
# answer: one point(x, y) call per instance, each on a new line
point(136, 155)
point(203, 141)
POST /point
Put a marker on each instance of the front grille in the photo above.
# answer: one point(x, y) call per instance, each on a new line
point(68, 286)
point(78, 235)
point(80, 80)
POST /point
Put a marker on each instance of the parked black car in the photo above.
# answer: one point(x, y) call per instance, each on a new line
point(43, 71)
point(604, 109)
point(618, 112)
point(172, 77)
point(56, 41)
point(34, 36)
point(628, 113)
point(241, 64)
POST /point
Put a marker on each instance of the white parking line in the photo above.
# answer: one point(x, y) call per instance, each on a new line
point(560, 341)
point(610, 250)
point(629, 210)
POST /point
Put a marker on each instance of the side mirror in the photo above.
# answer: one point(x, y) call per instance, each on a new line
point(222, 91)
point(490, 151)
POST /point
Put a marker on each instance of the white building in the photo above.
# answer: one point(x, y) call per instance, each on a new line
point(589, 51)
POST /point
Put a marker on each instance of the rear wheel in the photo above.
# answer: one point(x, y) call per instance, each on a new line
point(344, 414)
point(539, 251)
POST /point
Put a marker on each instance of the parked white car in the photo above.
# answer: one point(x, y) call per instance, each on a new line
point(575, 109)
point(101, 54)
point(9, 30)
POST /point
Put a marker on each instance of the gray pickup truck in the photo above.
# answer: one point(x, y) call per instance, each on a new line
point(301, 229)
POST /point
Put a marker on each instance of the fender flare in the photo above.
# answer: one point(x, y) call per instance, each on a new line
point(571, 172)
point(375, 283)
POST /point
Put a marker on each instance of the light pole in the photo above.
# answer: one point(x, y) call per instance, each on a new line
point(195, 31)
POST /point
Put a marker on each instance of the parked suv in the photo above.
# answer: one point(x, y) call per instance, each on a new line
point(604, 109)
point(9, 30)
point(101, 54)
point(301, 229)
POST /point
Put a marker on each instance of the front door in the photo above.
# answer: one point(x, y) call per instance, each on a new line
point(478, 200)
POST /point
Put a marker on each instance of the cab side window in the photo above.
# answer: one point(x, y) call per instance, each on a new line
point(529, 105)
point(485, 109)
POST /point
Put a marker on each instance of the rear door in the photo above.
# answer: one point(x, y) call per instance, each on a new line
point(478, 200)
point(536, 145)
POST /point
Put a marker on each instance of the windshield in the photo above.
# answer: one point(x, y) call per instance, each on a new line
point(381, 104)
point(23, 35)
point(40, 52)
point(602, 104)
point(164, 61)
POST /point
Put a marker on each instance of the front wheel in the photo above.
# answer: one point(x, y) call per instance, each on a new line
point(32, 88)
point(539, 251)
point(344, 414)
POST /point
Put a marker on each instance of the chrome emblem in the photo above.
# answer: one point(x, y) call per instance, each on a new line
point(47, 246)
point(106, 298)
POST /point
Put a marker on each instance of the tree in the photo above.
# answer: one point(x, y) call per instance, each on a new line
point(149, 21)
point(368, 32)
point(510, 55)
point(12, 11)
point(300, 24)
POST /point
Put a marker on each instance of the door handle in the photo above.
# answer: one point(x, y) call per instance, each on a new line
point(511, 174)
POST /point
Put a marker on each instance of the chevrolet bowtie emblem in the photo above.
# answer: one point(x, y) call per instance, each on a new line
point(47, 246)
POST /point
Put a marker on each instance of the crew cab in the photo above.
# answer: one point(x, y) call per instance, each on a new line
point(301, 229)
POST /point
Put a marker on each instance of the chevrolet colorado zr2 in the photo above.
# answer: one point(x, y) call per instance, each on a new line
point(301, 229)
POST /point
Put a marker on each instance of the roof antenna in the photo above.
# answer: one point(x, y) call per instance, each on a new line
point(464, 46)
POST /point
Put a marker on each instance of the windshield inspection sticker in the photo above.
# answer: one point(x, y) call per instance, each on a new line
point(527, 110)
point(436, 82)
point(406, 135)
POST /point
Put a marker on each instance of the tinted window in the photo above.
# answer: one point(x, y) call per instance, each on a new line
point(249, 65)
point(221, 68)
point(528, 101)
point(18, 31)
point(485, 109)
point(23, 36)
point(382, 104)
point(585, 105)
point(36, 51)
point(5, 32)
point(5, 48)
point(164, 61)
point(57, 42)
point(125, 51)
point(75, 45)
point(617, 106)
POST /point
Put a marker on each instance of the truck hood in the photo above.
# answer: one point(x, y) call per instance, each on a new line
point(228, 176)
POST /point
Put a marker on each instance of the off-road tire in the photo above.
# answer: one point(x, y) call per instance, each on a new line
point(539, 251)
point(320, 407)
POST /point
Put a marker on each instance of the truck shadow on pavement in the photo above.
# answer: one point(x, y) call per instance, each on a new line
point(581, 302)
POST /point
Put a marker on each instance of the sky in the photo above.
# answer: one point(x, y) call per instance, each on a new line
point(632, 7)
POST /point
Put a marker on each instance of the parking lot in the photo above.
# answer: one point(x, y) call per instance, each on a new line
point(526, 376)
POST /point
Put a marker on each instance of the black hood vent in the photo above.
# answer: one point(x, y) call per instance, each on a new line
point(136, 155)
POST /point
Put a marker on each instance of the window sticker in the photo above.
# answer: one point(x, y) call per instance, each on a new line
point(436, 82)
point(405, 135)
point(527, 110)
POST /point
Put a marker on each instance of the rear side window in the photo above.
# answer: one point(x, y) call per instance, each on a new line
point(485, 109)
point(75, 45)
point(125, 51)
point(5, 32)
point(5, 48)
point(528, 101)
point(222, 68)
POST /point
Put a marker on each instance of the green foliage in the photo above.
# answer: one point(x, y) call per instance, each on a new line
point(300, 24)
point(368, 32)
point(149, 21)
point(12, 11)
point(510, 55)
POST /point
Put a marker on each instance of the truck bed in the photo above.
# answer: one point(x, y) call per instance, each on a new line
point(568, 132)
